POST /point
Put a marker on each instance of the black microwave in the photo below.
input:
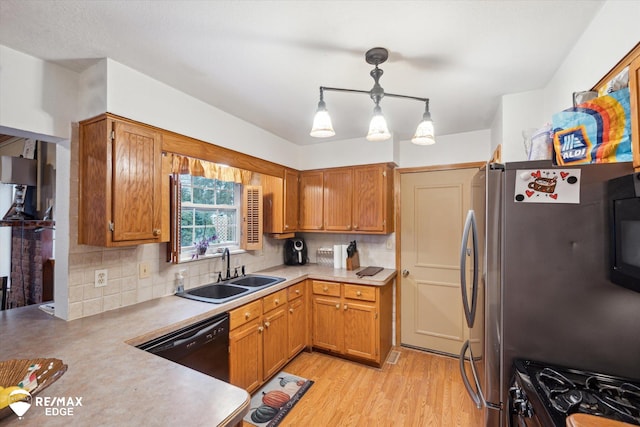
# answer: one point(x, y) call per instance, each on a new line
point(624, 226)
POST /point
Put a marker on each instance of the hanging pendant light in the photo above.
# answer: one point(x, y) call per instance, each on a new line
point(424, 131)
point(322, 127)
point(378, 130)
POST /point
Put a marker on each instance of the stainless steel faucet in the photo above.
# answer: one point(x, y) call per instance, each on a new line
point(227, 254)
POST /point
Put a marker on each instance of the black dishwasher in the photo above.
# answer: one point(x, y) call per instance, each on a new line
point(203, 346)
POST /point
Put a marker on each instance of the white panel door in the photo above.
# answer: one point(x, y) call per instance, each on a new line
point(433, 209)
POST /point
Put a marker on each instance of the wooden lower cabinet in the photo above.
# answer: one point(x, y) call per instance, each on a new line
point(265, 334)
point(245, 361)
point(352, 320)
point(298, 319)
point(275, 340)
point(328, 324)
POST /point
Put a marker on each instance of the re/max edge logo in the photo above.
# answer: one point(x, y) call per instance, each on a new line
point(575, 145)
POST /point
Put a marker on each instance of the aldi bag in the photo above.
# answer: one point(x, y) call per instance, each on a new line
point(596, 131)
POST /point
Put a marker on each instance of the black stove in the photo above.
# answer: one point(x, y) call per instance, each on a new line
point(545, 395)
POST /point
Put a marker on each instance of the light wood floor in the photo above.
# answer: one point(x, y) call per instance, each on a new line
point(422, 389)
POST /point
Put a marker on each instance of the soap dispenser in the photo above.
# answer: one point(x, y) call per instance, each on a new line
point(180, 281)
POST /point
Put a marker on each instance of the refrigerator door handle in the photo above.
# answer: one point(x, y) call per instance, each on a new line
point(469, 226)
point(475, 396)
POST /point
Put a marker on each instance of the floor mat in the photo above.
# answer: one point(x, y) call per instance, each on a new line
point(274, 400)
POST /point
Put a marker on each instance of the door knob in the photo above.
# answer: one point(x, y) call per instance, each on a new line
point(405, 273)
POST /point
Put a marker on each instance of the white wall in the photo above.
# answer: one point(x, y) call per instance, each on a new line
point(37, 96)
point(613, 32)
point(356, 151)
point(457, 148)
point(611, 35)
point(136, 96)
point(520, 111)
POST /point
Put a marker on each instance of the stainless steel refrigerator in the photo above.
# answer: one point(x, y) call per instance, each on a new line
point(534, 284)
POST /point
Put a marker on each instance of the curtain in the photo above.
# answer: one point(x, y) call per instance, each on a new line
point(198, 167)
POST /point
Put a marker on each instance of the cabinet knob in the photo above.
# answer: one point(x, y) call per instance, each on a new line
point(247, 315)
point(345, 306)
point(326, 288)
point(291, 310)
point(260, 329)
point(267, 324)
point(276, 301)
point(337, 306)
point(286, 226)
point(156, 232)
point(298, 291)
point(355, 226)
point(359, 293)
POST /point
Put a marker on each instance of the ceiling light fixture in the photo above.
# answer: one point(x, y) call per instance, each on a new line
point(378, 130)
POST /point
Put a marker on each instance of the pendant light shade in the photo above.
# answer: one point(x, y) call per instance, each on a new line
point(378, 130)
point(322, 127)
point(424, 131)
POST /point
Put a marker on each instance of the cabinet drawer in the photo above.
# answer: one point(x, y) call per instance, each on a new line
point(359, 292)
point(244, 314)
point(296, 291)
point(275, 300)
point(326, 288)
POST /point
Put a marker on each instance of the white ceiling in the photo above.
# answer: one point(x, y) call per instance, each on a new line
point(263, 61)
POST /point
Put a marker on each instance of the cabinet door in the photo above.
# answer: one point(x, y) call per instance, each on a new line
point(136, 189)
point(369, 208)
point(272, 197)
point(327, 323)
point(311, 199)
point(297, 326)
point(360, 330)
point(291, 203)
point(338, 199)
point(275, 342)
point(245, 355)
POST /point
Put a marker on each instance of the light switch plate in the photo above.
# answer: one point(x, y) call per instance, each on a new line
point(101, 278)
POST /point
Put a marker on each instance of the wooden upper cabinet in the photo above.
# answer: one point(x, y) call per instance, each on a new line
point(634, 101)
point(120, 183)
point(338, 199)
point(357, 199)
point(280, 202)
point(631, 60)
point(370, 208)
point(291, 196)
point(311, 200)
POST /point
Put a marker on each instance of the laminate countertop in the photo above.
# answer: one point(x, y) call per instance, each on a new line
point(121, 385)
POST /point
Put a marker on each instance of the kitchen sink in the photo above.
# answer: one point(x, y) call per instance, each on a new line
point(228, 290)
point(256, 280)
point(217, 291)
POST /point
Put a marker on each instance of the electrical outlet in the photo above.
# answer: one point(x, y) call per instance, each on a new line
point(390, 244)
point(100, 278)
point(143, 270)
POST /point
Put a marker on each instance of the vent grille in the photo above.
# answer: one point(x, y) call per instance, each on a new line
point(252, 217)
